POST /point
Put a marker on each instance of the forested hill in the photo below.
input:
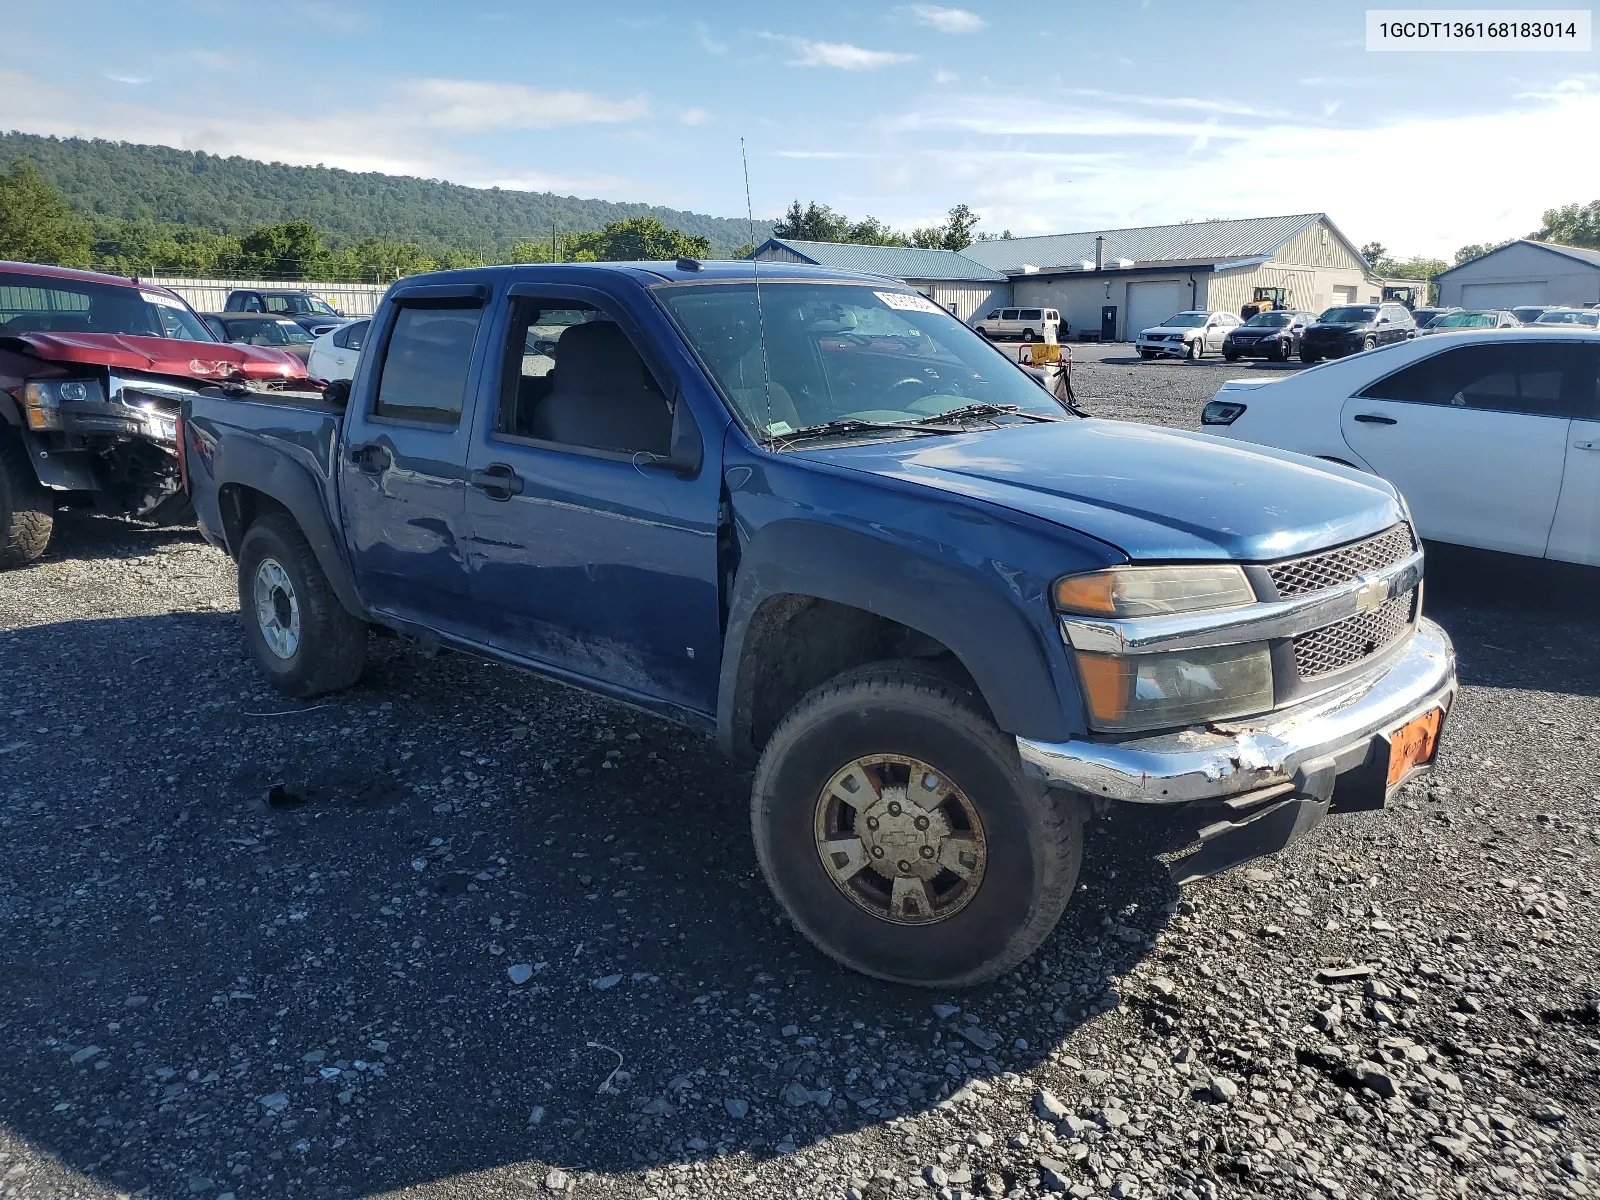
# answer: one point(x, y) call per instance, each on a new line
point(234, 195)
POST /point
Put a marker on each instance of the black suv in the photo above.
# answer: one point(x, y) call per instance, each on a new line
point(1352, 327)
point(312, 313)
point(1272, 334)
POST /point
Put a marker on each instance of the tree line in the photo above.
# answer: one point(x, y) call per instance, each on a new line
point(37, 224)
point(1569, 225)
point(815, 222)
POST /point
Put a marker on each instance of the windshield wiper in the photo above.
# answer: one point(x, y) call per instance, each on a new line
point(853, 425)
point(984, 409)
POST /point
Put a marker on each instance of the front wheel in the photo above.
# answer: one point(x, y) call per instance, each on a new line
point(303, 639)
point(1230, 355)
point(27, 513)
point(1306, 356)
point(1147, 353)
point(1368, 342)
point(1027, 335)
point(1197, 349)
point(982, 332)
point(895, 826)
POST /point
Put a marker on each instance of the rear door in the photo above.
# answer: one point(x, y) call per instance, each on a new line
point(403, 466)
point(1575, 535)
point(1475, 437)
point(585, 557)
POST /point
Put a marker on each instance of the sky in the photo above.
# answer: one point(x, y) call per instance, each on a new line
point(1046, 117)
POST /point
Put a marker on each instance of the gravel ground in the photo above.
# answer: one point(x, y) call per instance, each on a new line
point(462, 933)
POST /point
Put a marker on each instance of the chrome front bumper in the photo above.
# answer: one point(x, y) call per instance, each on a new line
point(1233, 757)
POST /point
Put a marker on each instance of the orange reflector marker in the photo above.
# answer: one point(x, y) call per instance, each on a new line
point(1087, 593)
point(1108, 680)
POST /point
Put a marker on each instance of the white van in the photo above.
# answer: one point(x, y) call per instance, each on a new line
point(1029, 324)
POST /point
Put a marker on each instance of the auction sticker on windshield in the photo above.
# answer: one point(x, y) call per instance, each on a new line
point(908, 303)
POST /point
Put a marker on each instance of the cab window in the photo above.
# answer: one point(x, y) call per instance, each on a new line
point(426, 363)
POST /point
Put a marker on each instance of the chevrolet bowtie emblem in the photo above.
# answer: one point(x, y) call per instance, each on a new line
point(1371, 595)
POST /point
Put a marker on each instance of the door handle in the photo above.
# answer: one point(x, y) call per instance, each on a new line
point(1586, 445)
point(497, 481)
point(370, 457)
point(1375, 419)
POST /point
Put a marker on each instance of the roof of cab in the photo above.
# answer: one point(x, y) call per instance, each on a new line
point(16, 268)
point(714, 270)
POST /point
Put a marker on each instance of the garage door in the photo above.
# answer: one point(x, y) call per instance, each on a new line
point(1152, 303)
point(1503, 295)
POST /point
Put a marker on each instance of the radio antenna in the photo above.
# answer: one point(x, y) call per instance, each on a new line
point(755, 272)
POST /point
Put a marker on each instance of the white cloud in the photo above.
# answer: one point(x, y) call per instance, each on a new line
point(694, 116)
point(475, 105)
point(1136, 172)
point(947, 20)
point(943, 76)
point(134, 80)
point(708, 43)
point(839, 55)
point(404, 132)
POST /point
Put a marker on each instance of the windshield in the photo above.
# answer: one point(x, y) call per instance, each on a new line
point(269, 333)
point(838, 352)
point(1569, 318)
point(1462, 320)
point(1269, 320)
point(1354, 315)
point(1185, 320)
point(44, 304)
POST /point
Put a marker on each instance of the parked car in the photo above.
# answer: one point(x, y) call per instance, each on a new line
point(1272, 334)
point(1476, 318)
point(262, 329)
point(1424, 315)
point(1028, 324)
point(312, 312)
point(1191, 334)
point(92, 369)
point(779, 523)
point(335, 354)
point(1493, 436)
point(1529, 313)
point(1350, 328)
point(1569, 316)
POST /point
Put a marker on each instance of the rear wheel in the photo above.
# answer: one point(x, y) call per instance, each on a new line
point(303, 639)
point(894, 824)
point(27, 513)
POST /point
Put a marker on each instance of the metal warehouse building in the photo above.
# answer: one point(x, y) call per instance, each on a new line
point(1524, 272)
point(955, 281)
point(1148, 274)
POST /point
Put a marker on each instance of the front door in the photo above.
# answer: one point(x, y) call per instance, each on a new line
point(1475, 438)
point(403, 465)
point(1575, 536)
point(585, 556)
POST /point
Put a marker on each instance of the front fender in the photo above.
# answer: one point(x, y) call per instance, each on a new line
point(980, 620)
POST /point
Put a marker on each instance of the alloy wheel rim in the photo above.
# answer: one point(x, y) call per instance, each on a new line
point(277, 608)
point(900, 839)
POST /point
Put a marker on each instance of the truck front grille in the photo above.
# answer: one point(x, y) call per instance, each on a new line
point(1347, 642)
point(1331, 568)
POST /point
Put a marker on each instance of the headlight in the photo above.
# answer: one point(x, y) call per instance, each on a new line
point(1221, 412)
point(1153, 591)
point(42, 401)
point(1185, 687)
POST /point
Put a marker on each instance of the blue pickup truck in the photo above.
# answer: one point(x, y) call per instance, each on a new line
point(809, 512)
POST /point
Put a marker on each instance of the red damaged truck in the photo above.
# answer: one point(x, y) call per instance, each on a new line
point(93, 370)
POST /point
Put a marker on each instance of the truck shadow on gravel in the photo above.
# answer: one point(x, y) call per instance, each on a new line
point(454, 920)
point(82, 537)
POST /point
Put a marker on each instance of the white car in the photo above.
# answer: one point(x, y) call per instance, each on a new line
point(334, 355)
point(1192, 334)
point(1492, 436)
point(1029, 324)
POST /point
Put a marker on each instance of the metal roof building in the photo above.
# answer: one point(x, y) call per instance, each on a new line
point(1524, 272)
point(953, 280)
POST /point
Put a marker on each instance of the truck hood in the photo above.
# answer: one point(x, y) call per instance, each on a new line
point(1155, 494)
point(164, 356)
